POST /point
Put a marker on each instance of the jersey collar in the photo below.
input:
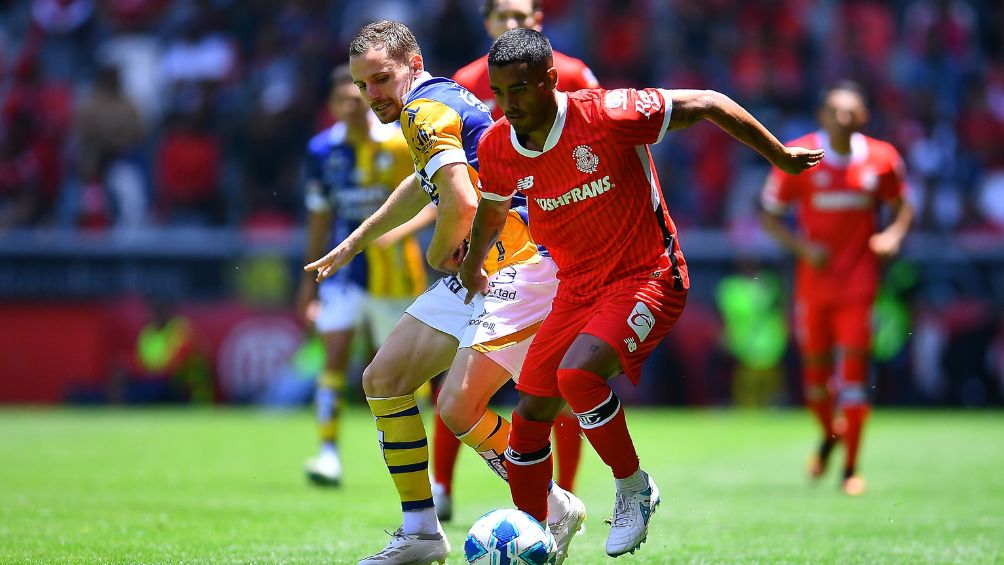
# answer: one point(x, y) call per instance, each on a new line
point(555, 134)
point(859, 150)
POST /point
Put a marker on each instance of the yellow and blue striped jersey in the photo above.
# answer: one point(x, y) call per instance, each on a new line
point(442, 123)
point(351, 179)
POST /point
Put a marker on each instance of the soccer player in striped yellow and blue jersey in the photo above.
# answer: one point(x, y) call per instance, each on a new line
point(351, 168)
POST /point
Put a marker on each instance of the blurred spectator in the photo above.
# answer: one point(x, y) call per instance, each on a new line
point(21, 194)
point(108, 131)
point(167, 366)
point(755, 333)
point(187, 171)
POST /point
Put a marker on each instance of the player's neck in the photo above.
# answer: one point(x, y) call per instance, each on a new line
point(840, 145)
point(357, 132)
point(536, 139)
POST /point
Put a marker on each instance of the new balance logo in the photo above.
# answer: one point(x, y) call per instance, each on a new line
point(524, 183)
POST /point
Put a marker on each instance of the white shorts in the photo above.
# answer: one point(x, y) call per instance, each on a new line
point(342, 306)
point(346, 306)
point(502, 324)
point(382, 314)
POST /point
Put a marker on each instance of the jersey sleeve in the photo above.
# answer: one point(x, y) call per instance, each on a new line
point(778, 191)
point(315, 196)
point(582, 77)
point(892, 183)
point(490, 185)
point(636, 117)
point(433, 131)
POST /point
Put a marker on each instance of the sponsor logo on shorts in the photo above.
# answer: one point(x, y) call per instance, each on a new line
point(632, 345)
point(506, 275)
point(501, 294)
point(453, 283)
point(490, 326)
point(641, 320)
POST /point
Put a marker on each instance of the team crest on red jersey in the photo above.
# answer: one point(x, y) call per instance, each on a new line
point(585, 160)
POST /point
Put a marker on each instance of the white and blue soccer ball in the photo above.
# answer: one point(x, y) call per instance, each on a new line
point(509, 537)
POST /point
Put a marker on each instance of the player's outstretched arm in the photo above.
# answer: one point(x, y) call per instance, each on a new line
point(488, 224)
point(457, 203)
point(691, 106)
point(403, 204)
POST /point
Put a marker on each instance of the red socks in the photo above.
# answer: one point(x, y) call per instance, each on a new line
point(528, 465)
point(817, 397)
point(445, 446)
point(601, 419)
point(567, 448)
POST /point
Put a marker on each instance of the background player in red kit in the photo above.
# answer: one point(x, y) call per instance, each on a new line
point(499, 17)
point(583, 162)
point(838, 251)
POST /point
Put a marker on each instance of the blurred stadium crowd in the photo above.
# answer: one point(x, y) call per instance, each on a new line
point(130, 114)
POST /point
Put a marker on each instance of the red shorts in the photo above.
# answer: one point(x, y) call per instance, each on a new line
point(822, 327)
point(632, 320)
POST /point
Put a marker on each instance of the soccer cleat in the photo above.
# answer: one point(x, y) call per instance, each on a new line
point(443, 502)
point(324, 470)
point(853, 485)
point(819, 460)
point(411, 549)
point(629, 524)
point(567, 527)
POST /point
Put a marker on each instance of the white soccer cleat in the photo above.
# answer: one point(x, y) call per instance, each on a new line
point(565, 529)
point(443, 502)
point(629, 524)
point(411, 549)
point(325, 469)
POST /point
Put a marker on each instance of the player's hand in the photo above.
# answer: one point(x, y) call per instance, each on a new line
point(474, 278)
point(334, 260)
point(794, 160)
point(814, 254)
point(884, 244)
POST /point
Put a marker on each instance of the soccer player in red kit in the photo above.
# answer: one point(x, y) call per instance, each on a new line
point(501, 16)
point(583, 162)
point(838, 250)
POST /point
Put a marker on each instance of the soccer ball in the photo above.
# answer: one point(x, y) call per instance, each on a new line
point(509, 537)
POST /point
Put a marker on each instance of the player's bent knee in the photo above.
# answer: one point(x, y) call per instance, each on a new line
point(458, 416)
point(380, 381)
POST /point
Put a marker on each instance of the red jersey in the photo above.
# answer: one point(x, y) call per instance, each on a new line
point(593, 196)
point(836, 205)
point(573, 75)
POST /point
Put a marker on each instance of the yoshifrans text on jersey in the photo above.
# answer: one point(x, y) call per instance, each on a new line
point(588, 190)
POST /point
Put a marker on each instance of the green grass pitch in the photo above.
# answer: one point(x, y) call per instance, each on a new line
point(226, 486)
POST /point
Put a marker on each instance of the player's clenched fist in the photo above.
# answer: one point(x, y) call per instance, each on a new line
point(797, 159)
point(334, 260)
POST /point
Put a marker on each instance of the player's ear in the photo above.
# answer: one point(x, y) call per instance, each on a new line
point(552, 78)
point(862, 116)
point(417, 64)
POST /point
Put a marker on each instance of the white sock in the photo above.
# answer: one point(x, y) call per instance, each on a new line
point(328, 449)
point(557, 503)
point(635, 483)
point(422, 521)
